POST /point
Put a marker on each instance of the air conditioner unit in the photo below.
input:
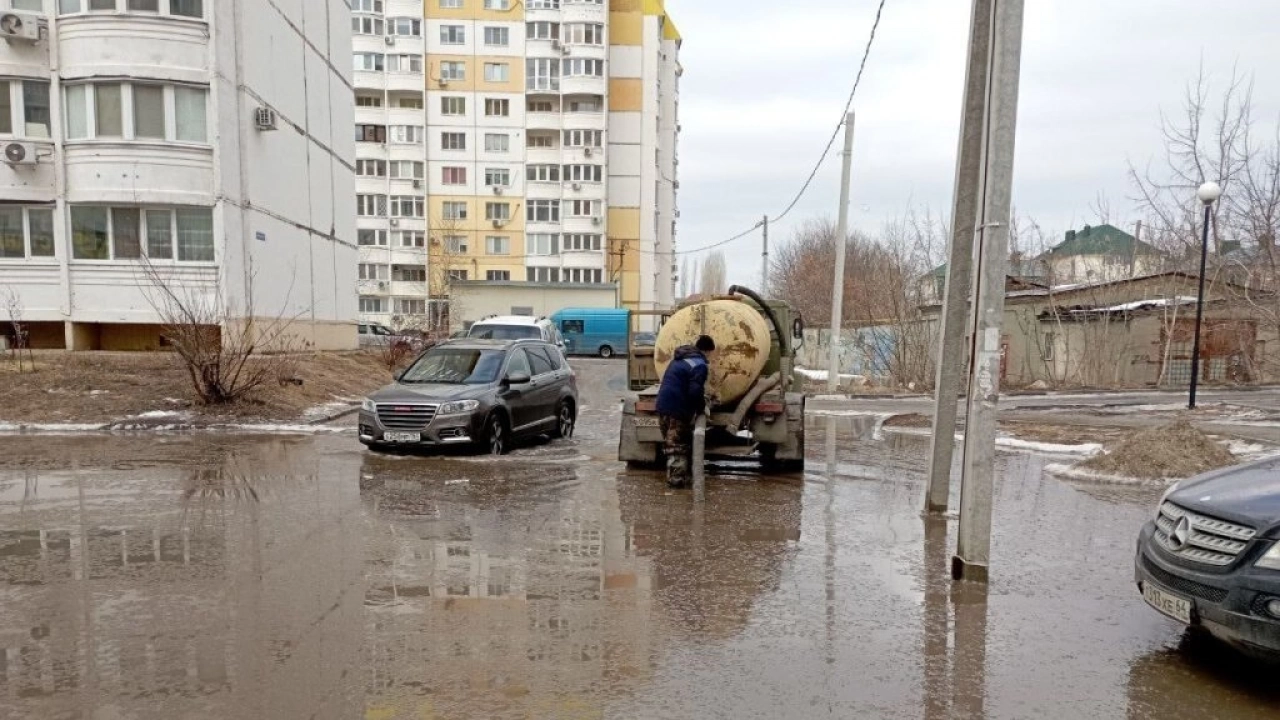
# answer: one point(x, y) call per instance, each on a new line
point(391, 39)
point(588, 152)
point(23, 27)
point(417, 184)
point(382, 284)
point(444, 82)
point(395, 222)
point(20, 153)
point(596, 220)
point(264, 118)
point(497, 189)
point(555, 44)
point(577, 186)
point(498, 224)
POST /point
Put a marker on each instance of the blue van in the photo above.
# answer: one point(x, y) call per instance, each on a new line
point(593, 331)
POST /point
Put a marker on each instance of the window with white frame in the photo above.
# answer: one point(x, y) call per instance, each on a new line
point(451, 4)
point(542, 173)
point(583, 173)
point(453, 175)
point(499, 211)
point(366, 6)
point(497, 72)
point(544, 4)
point(371, 206)
point(581, 275)
point(370, 101)
point(407, 206)
point(407, 169)
point(26, 232)
point(453, 34)
point(497, 275)
point(494, 107)
point(366, 25)
point(372, 304)
point(409, 238)
point(453, 141)
point(175, 8)
point(404, 63)
point(543, 30)
point(371, 168)
point(543, 211)
point(584, 33)
point(404, 27)
point(497, 36)
point(542, 74)
point(409, 306)
point(24, 108)
point(582, 67)
point(497, 142)
point(374, 271)
point(541, 243)
point(371, 238)
point(406, 134)
point(99, 232)
point(452, 105)
point(583, 208)
point(497, 245)
point(455, 244)
point(453, 70)
point(582, 242)
point(456, 274)
point(587, 104)
point(409, 102)
point(542, 274)
point(408, 273)
point(453, 210)
point(541, 139)
point(540, 106)
point(497, 177)
point(497, 4)
point(584, 138)
point(583, 2)
point(136, 111)
point(369, 61)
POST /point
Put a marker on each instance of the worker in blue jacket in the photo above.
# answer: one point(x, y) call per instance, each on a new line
point(681, 398)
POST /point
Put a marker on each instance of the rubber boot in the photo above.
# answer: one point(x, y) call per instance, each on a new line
point(677, 471)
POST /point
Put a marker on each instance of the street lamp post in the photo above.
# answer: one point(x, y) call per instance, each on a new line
point(1208, 194)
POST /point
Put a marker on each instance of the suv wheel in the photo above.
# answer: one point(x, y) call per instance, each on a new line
point(606, 352)
point(495, 436)
point(564, 421)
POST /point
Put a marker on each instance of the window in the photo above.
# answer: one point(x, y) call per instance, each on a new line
point(588, 104)
point(580, 242)
point(497, 177)
point(6, 107)
point(543, 30)
point(366, 6)
point(498, 211)
point(456, 274)
point(192, 117)
point(368, 101)
point(371, 133)
point(497, 108)
point(497, 245)
point(497, 72)
point(583, 208)
point(410, 238)
point(456, 244)
point(497, 275)
point(583, 67)
point(542, 74)
point(453, 35)
point(583, 173)
point(573, 327)
point(497, 4)
point(179, 8)
point(26, 232)
point(187, 8)
point(372, 206)
point(372, 304)
point(541, 106)
point(370, 271)
point(108, 110)
point(371, 168)
point(408, 273)
point(497, 142)
point(450, 4)
point(406, 206)
point(407, 169)
point(543, 173)
point(369, 62)
point(404, 27)
point(543, 211)
point(584, 138)
point(542, 243)
point(454, 210)
point(581, 275)
point(544, 4)
point(584, 33)
point(366, 25)
point(30, 98)
point(406, 134)
point(453, 141)
point(542, 274)
point(497, 36)
point(413, 102)
point(371, 238)
point(454, 176)
point(153, 108)
point(453, 106)
point(410, 306)
point(404, 63)
point(541, 140)
point(453, 70)
point(122, 233)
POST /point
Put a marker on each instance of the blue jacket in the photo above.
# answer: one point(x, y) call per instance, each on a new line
point(683, 384)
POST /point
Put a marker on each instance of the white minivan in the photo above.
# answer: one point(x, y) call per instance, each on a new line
point(516, 327)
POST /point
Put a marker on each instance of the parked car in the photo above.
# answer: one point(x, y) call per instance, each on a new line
point(375, 335)
point(486, 393)
point(593, 331)
point(516, 327)
point(1210, 558)
point(644, 340)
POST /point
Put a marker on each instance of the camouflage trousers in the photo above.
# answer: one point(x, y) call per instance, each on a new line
point(677, 440)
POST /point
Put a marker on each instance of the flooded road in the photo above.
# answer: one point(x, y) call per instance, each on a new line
point(302, 577)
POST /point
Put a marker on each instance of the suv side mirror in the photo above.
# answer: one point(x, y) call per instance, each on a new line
point(518, 378)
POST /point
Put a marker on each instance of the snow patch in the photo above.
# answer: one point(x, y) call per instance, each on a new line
point(1013, 443)
point(1072, 472)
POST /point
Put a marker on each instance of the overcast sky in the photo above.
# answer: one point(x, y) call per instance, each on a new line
point(765, 82)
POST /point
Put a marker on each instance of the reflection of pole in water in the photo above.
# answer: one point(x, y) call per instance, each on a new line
point(829, 520)
point(969, 669)
point(936, 626)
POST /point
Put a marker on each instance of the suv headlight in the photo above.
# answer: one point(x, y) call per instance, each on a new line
point(458, 407)
point(1271, 559)
point(1168, 491)
point(367, 404)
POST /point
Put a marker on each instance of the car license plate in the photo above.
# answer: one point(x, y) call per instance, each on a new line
point(402, 437)
point(1176, 607)
point(644, 421)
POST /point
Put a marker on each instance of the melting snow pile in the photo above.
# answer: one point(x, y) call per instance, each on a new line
point(1176, 450)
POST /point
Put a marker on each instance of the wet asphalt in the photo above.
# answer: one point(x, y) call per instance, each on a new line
point(216, 576)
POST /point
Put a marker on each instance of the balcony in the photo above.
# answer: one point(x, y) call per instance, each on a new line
point(133, 45)
point(405, 288)
point(33, 182)
point(543, 155)
point(582, 85)
point(134, 172)
point(543, 121)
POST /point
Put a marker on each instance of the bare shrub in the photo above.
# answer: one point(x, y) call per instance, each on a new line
point(20, 344)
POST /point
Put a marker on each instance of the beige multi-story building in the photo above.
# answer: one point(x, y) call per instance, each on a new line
point(548, 157)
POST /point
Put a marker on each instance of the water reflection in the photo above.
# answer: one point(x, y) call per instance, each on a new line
point(1201, 678)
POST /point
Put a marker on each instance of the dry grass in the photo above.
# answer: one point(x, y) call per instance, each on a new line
point(101, 387)
point(1176, 450)
point(910, 420)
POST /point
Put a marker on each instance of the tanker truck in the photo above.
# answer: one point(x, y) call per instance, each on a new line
point(758, 411)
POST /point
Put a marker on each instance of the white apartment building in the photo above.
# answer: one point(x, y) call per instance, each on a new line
point(207, 139)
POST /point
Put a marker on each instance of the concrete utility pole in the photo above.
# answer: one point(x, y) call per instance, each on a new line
point(964, 219)
point(842, 232)
point(973, 539)
point(764, 260)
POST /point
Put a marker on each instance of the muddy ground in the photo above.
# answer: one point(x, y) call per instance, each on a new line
point(212, 576)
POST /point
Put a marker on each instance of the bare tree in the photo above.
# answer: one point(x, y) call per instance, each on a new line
point(446, 255)
point(714, 274)
point(21, 343)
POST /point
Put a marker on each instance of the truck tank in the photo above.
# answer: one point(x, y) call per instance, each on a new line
point(742, 337)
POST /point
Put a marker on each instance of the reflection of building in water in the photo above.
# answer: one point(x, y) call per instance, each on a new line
point(124, 587)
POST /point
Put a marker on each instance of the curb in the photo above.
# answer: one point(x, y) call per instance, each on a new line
point(335, 415)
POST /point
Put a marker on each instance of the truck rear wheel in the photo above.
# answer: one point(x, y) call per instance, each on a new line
point(606, 352)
